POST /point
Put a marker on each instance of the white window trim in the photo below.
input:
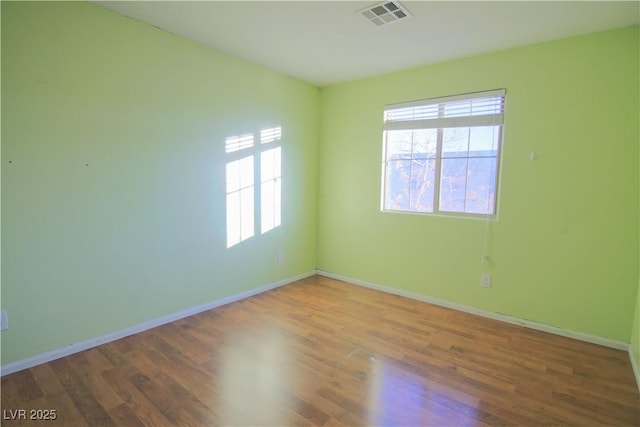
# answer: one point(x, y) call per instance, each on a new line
point(441, 123)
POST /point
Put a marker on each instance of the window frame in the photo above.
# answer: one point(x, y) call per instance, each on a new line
point(440, 124)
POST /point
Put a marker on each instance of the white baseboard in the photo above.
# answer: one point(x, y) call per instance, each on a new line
point(594, 339)
point(634, 365)
point(19, 365)
point(57, 353)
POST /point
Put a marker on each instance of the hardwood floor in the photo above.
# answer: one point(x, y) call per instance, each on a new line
point(321, 352)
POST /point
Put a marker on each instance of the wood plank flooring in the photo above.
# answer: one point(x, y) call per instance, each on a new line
point(320, 352)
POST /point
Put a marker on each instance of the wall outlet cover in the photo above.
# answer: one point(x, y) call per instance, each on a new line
point(485, 280)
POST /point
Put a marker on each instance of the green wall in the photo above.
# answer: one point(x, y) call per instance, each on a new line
point(113, 163)
point(113, 186)
point(635, 332)
point(564, 248)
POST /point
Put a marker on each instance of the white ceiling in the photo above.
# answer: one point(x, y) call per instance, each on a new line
point(327, 42)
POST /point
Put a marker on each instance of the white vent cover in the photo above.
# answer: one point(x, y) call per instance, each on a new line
point(385, 12)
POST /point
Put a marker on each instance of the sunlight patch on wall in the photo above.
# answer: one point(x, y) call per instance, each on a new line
point(246, 163)
point(270, 188)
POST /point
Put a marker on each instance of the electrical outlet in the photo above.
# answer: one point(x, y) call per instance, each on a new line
point(485, 280)
point(280, 256)
point(4, 320)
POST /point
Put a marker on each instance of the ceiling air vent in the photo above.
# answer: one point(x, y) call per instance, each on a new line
point(385, 12)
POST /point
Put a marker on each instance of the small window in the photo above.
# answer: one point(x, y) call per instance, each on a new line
point(441, 156)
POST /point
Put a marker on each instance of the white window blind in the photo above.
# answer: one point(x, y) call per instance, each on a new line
point(478, 109)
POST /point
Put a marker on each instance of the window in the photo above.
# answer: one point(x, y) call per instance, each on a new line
point(441, 156)
point(248, 162)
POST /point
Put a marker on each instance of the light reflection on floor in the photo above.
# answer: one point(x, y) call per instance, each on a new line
point(260, 384)
point(255, 376)
point(399, 397)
